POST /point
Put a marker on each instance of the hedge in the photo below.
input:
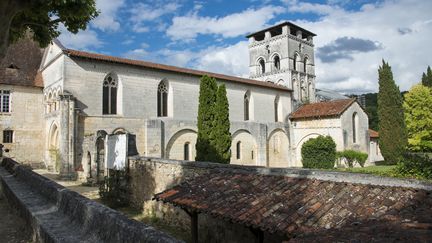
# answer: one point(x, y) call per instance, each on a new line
point(319, 153)
point(352, 156)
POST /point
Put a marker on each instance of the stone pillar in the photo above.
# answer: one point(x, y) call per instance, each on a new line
point(310, 39)
point(285, 30)
point(154, 130)
point(267, 35)
point(299, 34)
point(262, 145)
point(67, 136)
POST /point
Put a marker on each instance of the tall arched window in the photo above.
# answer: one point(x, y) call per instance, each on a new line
point(109, 99)
point(238, 151)
point(305, 65)
point(246, 107)
point(295, 61)
point(276, 109)
point(355, 127)
point(261, 65)
point(276, 61)
point(162, 99)
point(186, 151)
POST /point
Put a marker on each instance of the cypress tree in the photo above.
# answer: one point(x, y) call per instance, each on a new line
point(221, 127)
point(427, 78)
point(393, 137)
point(207, 99)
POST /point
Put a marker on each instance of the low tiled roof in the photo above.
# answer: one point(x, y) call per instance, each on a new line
point(373, 134)
point(21, 64)
point(297, 207)
point(322, 109)
point(100, 57)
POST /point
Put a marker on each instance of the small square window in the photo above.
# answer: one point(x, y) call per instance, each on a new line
point(7, 136)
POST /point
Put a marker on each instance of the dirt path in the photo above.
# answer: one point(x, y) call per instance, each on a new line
point(13, 229)
point(90, 192)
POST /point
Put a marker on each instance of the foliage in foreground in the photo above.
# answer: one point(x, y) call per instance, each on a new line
point(221, 131)
point(352, 156)
point(393, 138)
point(319, 153)
point(415, 165)
point(418, 118)
point(43, 19)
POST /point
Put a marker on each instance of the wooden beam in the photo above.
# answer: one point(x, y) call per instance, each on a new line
point(194, 225)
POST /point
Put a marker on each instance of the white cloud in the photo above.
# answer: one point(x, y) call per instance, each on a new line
point(190, 26)
point(107, 19)
point(83, 40)
point(142, 14)
point(382, 23)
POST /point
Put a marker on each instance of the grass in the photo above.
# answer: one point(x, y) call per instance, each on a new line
point(376, 169)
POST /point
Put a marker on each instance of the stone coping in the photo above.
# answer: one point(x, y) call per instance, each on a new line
point(335, 176)
point(57, 214)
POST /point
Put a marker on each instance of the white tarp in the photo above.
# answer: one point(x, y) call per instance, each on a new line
point(116, 151)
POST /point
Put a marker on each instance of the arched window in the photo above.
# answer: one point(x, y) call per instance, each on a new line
point(238, 150)
point(262, 65)
point(276, 108)
point(355, 127)
point(295, 62)
point(276, 61)
point(246, 107)
point(186, 151)
point(305, 65)
point(162, 99)
point(109, 99)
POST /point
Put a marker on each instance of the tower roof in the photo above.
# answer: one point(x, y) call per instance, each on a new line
point(296, 27)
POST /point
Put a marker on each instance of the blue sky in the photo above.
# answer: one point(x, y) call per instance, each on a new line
point(352, 36)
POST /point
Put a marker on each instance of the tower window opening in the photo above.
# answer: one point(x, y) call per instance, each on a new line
point(261, 66)
point(276, 61)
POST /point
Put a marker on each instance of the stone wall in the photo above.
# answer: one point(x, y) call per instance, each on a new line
point(57, 214)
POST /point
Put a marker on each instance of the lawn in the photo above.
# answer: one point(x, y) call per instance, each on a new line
point(381, 170)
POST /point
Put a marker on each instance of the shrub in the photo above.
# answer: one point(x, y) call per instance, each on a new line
point(114, 190)
point(319, 153)
point(352, 156)
point(416, 165)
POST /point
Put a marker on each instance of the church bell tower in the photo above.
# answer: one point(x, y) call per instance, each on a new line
point(284, 54)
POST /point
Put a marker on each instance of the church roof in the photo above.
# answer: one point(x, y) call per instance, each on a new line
point(113, 59)
point(373, 134)
point(300, 207)
point(322, 109)
point(21, 63)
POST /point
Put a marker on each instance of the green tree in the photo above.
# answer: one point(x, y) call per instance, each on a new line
point(42, 18)
point(418, 118)
point(393, 138)
point(205, 150)
point(319, 153)
point(221, 126)
point(427, 78)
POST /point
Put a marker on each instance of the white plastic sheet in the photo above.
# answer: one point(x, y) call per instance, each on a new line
point(116, 151)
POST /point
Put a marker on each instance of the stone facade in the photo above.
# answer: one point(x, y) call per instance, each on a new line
point(26, 122)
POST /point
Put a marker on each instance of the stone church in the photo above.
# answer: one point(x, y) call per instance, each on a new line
point(66, 102)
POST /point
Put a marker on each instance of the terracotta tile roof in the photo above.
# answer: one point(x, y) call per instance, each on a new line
point(100, 57)
point(295, 207)
point(373, 133)
point(322, 109)
point(21, 64)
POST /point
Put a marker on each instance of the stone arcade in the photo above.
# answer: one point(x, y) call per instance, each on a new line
point(87, 96)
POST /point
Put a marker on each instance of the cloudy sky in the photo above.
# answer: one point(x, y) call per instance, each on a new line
point(352, 38)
